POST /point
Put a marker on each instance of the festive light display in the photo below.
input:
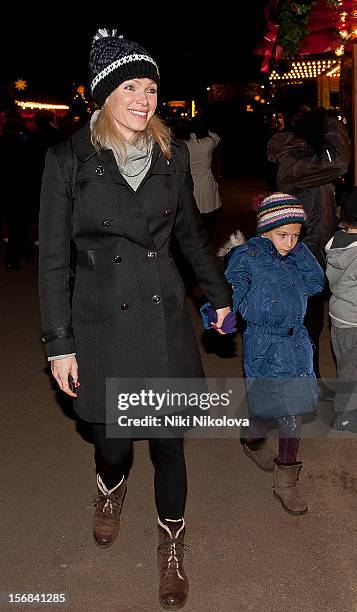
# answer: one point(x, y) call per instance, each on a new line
point(307, 27)
point(20, 84)
point(302, 70)
point(41, 106)
point(80, 93)
point(347, 24)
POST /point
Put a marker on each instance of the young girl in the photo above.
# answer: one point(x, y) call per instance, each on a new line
point(272, 276)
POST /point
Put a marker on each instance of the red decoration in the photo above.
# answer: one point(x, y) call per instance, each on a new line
point(323, 35)
point(268, 46)
point(325, 26)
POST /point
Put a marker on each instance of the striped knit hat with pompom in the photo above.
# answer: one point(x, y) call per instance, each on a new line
point(115, 59)
point(277, 209)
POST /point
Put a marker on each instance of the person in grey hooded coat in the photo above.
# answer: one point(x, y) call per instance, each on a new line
point(341, 272)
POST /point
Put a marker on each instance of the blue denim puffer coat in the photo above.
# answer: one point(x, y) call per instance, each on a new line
point(270, 292)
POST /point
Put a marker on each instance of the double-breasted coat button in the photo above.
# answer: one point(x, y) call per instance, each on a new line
point(117, 259)
point(99, 170)
point(293, 284)
point(167, 212)
point(156, 299)
point(298, 317)
point(152, 254)
point(124, 306)
point(106, 223)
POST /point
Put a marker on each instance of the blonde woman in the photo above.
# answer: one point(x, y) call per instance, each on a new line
point(119, 191)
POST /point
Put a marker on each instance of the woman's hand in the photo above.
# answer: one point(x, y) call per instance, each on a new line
point(61, 369)
point(221, 314)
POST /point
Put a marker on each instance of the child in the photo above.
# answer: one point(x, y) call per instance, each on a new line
point(272, 276)
point(342, 275)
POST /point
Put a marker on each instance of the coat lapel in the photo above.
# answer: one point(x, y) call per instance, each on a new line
point(136, 218)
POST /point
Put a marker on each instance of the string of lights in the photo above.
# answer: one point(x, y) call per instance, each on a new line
point(40, 105)
point(310, 69)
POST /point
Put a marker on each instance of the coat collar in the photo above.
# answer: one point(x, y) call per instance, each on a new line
point(265, 245)
point(84, 149)
point(82, 144)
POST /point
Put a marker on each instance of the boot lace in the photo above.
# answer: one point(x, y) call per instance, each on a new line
point(169, 549)
point(107, 501)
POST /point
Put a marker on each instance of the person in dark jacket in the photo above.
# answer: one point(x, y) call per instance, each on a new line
point(309, 157)
point(132, 193)
point(272, 276)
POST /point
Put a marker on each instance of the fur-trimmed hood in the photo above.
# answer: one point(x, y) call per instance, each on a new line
point(234, 240)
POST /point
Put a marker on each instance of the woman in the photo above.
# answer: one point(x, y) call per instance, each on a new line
point(132, 193)
point(202, 145)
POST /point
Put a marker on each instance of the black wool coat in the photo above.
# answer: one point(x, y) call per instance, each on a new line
point(127, 316)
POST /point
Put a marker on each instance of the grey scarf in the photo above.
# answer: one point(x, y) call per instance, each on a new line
point(137, 164)
point(138, 159)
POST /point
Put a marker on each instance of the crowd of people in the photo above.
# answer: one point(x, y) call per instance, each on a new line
point(115, 198)
point(22, 158)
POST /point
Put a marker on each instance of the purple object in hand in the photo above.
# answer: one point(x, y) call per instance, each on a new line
point(229, 321)
point(229, 325)
point(211, 314)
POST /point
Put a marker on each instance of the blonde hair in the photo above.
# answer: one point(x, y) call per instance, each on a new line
point(105, 134)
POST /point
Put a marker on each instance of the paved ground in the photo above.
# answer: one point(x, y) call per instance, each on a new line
point(245, 553)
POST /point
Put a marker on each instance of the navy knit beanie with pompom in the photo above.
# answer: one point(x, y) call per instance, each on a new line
point(113, 60)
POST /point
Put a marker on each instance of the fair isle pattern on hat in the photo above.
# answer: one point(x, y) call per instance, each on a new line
point(115, 59)
point(120, 62)
point(279, 209)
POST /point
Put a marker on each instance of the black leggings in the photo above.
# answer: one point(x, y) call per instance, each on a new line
point(112, 456)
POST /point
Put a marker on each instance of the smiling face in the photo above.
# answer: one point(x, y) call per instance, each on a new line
point(131, 105)
point(285, 237)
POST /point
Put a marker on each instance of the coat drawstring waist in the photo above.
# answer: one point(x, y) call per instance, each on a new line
point(275, 331)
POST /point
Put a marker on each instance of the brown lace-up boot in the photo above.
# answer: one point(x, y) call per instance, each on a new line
point(108, 506)
point(173, 588)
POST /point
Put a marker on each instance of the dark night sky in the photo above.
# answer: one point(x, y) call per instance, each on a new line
point(192, 51)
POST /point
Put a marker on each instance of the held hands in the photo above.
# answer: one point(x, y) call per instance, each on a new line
point(61, 370)
point(222, 320)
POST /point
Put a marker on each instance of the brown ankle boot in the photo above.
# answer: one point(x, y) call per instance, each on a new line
point(285, 488)
point(108, 506)
point(173, 588)
point(263, 456)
